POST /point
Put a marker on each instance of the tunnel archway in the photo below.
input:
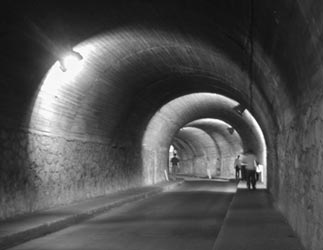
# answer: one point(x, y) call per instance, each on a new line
point(95, 120)
point(201, 163)
point(178, 122)
point(227, 146)
point(145, 55)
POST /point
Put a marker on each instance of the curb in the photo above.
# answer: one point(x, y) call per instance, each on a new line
point(225, 218)
point(54, 226)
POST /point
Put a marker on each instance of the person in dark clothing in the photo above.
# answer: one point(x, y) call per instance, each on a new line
point(174, 160)
point(250, 161)
point(237, 166)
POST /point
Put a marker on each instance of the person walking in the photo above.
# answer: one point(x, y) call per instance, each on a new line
point(237, 166)
point(250, 162)
point(174, 160)
point(259, 170)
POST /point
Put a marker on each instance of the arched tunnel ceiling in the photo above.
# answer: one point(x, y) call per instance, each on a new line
point(197, 140)
point(181, 111)
point(218, 130)
point(150, 51)
point(209, 138)
point(143, 68)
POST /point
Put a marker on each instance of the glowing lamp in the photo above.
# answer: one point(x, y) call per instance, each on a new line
point(70, 61)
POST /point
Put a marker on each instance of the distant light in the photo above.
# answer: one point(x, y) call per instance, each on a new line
point(71, 62)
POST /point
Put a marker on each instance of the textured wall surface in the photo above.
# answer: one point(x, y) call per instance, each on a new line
point(300, 195)
point(227, 169)
point(41, 171)
point(199, 166)
point(300, 144)
point(219, 167)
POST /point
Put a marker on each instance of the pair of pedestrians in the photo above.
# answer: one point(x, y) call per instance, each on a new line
point(250, 164)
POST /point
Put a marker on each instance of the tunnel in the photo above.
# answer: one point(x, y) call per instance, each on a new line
point(194, 125)
point(212, 79)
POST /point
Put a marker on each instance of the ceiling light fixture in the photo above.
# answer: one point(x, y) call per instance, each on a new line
point(230, 130)
point(70, 61)
point(239, 109)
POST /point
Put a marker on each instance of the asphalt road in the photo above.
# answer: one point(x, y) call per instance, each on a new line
point(187, 218)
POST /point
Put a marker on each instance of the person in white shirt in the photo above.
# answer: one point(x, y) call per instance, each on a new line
point(259, 170)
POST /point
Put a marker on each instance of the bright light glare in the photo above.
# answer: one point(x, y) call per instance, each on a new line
point(71, 63)
point(55, 84)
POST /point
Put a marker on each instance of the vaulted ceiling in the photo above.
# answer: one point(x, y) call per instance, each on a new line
point(140, 55)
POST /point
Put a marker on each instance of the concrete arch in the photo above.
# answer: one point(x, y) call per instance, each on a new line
point(188, 108)
point(230, 145)
point(109, 56)
point(127, 75)
point(185, 152)
point(143, 70)
point(206, 152)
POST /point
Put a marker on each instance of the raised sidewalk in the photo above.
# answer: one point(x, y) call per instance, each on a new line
point(253, 223)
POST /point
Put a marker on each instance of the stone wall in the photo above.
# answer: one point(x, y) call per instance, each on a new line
point(41, 171)
point(300, 194)
point(191, 166)
point(227, 169)
point(154, 165)
point(300, 139)
point(186, 166)
point(199, 165)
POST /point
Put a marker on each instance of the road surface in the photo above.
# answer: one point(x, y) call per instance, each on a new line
point(186, 218)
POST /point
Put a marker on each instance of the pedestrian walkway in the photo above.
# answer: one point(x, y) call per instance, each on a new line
point(18, 230)
point(243, 185)
point(252, 223)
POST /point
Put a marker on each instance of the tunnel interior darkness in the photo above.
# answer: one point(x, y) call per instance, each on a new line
point(155, 74)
